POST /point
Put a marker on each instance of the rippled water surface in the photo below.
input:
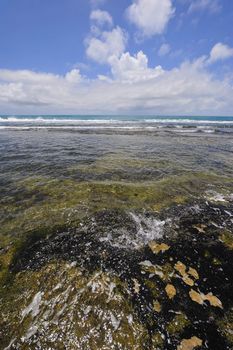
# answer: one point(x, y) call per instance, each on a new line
point(124, 230)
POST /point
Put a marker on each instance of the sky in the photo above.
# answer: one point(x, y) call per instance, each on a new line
point(146, 57)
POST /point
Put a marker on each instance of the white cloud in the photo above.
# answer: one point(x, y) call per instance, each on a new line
point(164, 50)
point(220, 52)
point(101, 17)
point(150, 16)
point(74, 76)
point(28, 88)
point(132, 69)
point(26, 75)
point(211, 6)
point(109, 43)
point(134, 88)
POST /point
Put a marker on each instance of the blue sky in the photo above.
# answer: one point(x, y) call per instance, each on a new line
point(114, 56)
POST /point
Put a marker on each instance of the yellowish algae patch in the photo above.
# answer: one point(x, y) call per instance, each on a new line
point(190, 344)
point(157, 248)
point(193, 272)
point(181, 268)
point(170, 290)
point(200, 298)
point(60, 306)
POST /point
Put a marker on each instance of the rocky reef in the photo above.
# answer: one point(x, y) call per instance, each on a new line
point(124, 280)
point(108, 250)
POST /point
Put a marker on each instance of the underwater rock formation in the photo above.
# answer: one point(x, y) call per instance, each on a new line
point(98, 286)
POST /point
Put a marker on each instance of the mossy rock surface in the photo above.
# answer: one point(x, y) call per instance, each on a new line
point(95, 285)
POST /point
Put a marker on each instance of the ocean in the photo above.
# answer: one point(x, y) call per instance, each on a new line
point(79, 122)
point(116, 230)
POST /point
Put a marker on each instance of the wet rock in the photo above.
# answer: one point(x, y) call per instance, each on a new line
point(116, 289)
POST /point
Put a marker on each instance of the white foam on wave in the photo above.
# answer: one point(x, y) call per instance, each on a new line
point(189, 121)
point(73, 127)
point(58, 120)
point(79, 120)
point(147, 230)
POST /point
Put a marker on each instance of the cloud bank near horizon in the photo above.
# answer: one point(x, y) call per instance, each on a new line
point(133, 87)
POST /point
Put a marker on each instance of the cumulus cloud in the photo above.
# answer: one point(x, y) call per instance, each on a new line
point(134, 88)
point(132, 69)
point(29, 88)
point(150, 16)
point(102, 44)
point(101, 17)
point(211, 6)
point(220, 52)
point(107, 44)
point(164, 50)
point(74, 76)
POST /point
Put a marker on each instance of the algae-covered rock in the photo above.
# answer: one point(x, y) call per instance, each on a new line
point(227, 238)
point(67, 308)
point(178, 324)
point(226, 327)
point(88, 287)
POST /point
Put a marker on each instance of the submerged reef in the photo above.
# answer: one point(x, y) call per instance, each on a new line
point(117, 251)
point(124, 280)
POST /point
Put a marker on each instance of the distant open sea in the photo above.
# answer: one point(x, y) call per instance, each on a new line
point(193, 123)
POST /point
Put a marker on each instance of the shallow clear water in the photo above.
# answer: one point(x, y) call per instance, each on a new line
point(36, 166)
point(53, 153)
point(97, 225)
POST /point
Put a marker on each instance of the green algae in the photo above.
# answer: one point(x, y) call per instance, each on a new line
point(226, 326)
point(178, 324)
point(227, 238)
point(44, 205)
point(120, 167)
point(153, 288)
point(67, 201)
point(94, 298)
point(69, 294)
point(157, 341)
